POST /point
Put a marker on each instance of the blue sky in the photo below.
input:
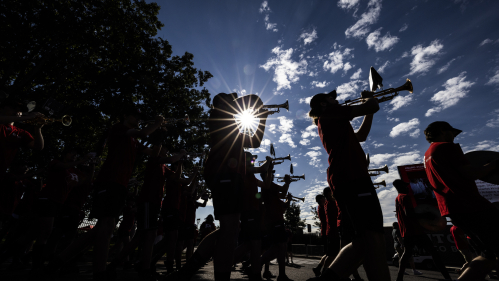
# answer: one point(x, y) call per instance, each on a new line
point(290, 50)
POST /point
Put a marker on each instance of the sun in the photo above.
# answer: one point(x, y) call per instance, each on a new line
point(246, 121)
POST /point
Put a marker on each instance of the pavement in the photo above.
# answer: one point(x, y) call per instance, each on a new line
point(300, 270)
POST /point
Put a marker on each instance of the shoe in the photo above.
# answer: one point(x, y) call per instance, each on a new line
point(418, 272)
point(268, 275)
point(283, 278)
point(316, 271)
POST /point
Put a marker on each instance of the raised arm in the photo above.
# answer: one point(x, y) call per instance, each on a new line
point(367, 109)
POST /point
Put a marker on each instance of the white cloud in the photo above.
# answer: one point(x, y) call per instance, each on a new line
point(286, 124)
point(348, 4)
point(399, 102)
point(404, 27)
point(271, 128)
point(455, 89)
point(313, 74)
point(392, 119)
point(286, 71)
point(494, 122)
point(421, 62)
point(305, 142)
point(306, 100)
point(350, 88)
point(265, 9)
point(286, 138)
point(403, 128)
point(494, 79)
point(382, 68)
point(482, 145)
point(381, 43)
point(308, 37)
point(486, 41)
point(314, 158)
point(362, 26)
point(445, 67)
point(356, 75)
point(335, 60)
point(310, 132)
point(318, 84)
point(316, 148)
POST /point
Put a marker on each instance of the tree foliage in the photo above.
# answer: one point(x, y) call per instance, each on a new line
point(292, 218)
point(94, 57)
point(317, 221)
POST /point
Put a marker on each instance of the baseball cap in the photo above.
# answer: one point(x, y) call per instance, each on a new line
point(317, 99)
point(442, 126)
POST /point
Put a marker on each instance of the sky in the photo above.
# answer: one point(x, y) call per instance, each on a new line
point(291, 50)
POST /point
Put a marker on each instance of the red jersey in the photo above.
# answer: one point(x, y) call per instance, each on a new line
point(338, 218)
point(331, 218)
point(274, 209)
point(323, 219)
point(59, 182)
point(154, 182)
point(121, 155)
point(250, 201)
point(347, 160)
point(173, 192)
point(11, 138)
point(408, 226)
point(455, 194)
point(227, 145)
point(459, 238)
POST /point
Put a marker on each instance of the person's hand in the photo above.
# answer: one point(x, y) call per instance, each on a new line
point(366, 94)
point(159, 119)
point(287, 179)
point(264, 113)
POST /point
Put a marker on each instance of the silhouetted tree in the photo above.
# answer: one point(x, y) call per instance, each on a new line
point(292, 217)
point(317, 221)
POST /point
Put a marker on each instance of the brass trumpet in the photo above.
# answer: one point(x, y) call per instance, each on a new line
point(66, 120)
point(293, 178)
point(378, 171)
point(274, 160)
point(297, 198)
point(378, 184)
point(381, 96)
point(278, 106)
point(169, 121)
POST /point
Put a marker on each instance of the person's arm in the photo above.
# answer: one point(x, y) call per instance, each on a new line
point(202, 205)
point(255, 140)
point(367, 109)
point(135, 133)
point(24, 117)
point(38, 142)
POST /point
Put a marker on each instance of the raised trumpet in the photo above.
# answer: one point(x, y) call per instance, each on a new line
point(274, 160)
point(378, 184)
point(278, 106)
point(297, 198)
point(378, 171)
point(66, 120)
point(381, 96)
point(169, 121)
point(293, 178)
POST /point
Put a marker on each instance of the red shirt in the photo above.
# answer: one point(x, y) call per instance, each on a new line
point(121, 155)
point(227, 145)
point(331, 217)
point(323, 219)
point(347, 160)
point(59, 182)
point(338, 218)
point(154, 182)
point(274, 209)
point(408, 226)
point(455, 194)
point(250, 201)
point(11, 138)
point(173, 191)
point(459, 238)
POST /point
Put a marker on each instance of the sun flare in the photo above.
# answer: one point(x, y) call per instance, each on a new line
point(247, 121)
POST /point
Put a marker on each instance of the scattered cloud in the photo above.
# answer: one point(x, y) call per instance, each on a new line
point(314, 158)
point(308, 37)
point(265, 9)
point(318, 84)
point(271, 128)
point(305, 142)
point(350, 88)
point(313, 74)
point(445, 67)
point(348, 4)
point(356, 75)
point(334, 62)
point(309, 132)
point(286, 124)
point(382, 68)
point(286, 138)
point(410, 128)
point(403, 28)
point(486, 41)
point(362, 26)
point(306, 100)
point(286, 71)
point(482, 145)
point(455, 89)
point(381, 43)
point(494, 122)
point(392, 119)
point(422, 61)
point(494, 79)
point(399, 102)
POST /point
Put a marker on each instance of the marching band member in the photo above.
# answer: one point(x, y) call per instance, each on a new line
point(351, 184)
point(452, 178)
point(333, 239)
point(207, 227)
point(321, 200)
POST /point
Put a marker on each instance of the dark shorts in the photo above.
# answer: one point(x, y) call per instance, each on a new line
point(358, 201)
point(277, 232)
point(147, 216)
point(68, 220)
point(47, 208)
point(324, 243)
point(251, 226)
point(109, 200)
point(182, 231)
point(483, 229)
point(333, 245)
point(171, 219)
point(227, 193)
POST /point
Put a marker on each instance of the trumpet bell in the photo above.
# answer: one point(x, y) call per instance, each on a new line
point(66, 120)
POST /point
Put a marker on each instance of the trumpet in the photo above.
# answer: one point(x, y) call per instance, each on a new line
point(66, 120)
point(382, 96)
point(296, 198)
point(379, 184)
point(278, 106)
point(169, 121)
point(274, 160)
point(378, 171)
point(293, 178)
